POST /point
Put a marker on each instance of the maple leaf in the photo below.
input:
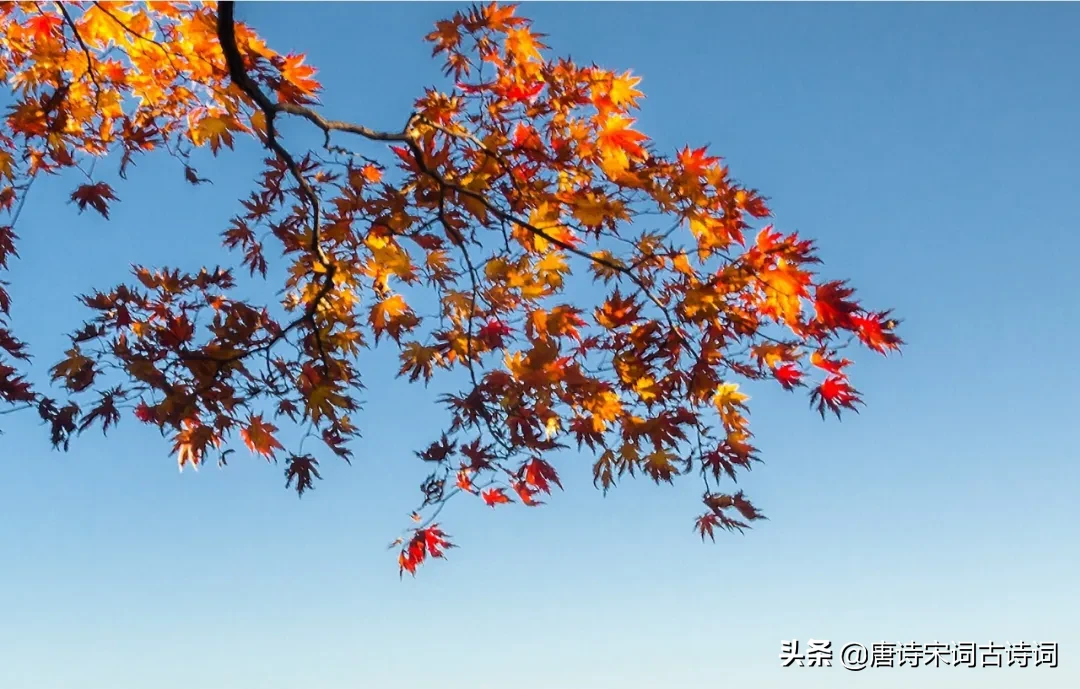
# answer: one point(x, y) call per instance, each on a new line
point(105, 411)
point(418, 361)
point(14, 388)
point(696, 162)
point(323, 400)
point(705, 525)
point(44, 26)
point(302, 469)
point(7, 245)
point(526, 493)
point(537, 473)
point(431, 541)
point(392, 315)
point(824, 360)
point(259, 436)
point(192, 176)
point(143, 412)
point(718, 504)
point(77, 370)
point(479, 456)
point(192, 442)
point(13, 347)
point(446, 36)
point(493, 332)
point(729, 454)
point(495, 496)
point(658, 465)
point(623, 92)
point(300, 85)
point(833, 394)
point(618, 311)
point(526, 137)
point(785, 285)
point(214, 130)
point(97, 196)
point(178, 331)
point(729, 401)
point(438, 451)
point(788, 375)
point(875, 330)
point(463, 480)
point(618, 142)
point(60, 419)
point(832, 306)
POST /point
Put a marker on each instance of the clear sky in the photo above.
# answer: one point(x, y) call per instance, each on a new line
point(932, 151)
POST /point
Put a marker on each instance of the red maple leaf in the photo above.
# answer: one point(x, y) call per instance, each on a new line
point(832, 306)
point(431, 541)
point(537, 473)
point(788, 375)
point(492, 333)
point(97, 196)
point(495, 496)
point(834, 393)
point(42, 26)
point(876, 331)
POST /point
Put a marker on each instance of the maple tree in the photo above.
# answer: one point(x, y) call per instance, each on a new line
point(594, 292)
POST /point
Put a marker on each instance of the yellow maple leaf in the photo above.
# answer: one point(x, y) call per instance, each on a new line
point(6, 163)
point(522, 43)
point(606, 407)
point(544, 216)
point(623, 92)
point(729, 402)
point(784, 287)
point(646, 389)
point(323, 401)
point(389, 258)
point(592, 209)
point(215, 130)
point(392, 315)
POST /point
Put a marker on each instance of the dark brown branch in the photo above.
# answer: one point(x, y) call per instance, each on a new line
point(226, 30)
point(328, 126)
point(86, 51)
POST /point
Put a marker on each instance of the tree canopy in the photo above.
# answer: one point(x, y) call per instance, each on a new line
point(592, 291)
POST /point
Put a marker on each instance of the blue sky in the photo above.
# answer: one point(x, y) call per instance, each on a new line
point(930, 149)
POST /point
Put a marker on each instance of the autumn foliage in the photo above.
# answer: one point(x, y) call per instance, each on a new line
point(596, 293)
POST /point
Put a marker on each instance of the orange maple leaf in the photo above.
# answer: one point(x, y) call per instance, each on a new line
point(300, 85)
point(696, 162)
point(259, 436)
point(616, 136)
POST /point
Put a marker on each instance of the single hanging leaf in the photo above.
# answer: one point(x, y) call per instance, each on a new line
point(97, 196)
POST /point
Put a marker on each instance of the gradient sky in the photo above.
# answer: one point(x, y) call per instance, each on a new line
point(931, 150)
